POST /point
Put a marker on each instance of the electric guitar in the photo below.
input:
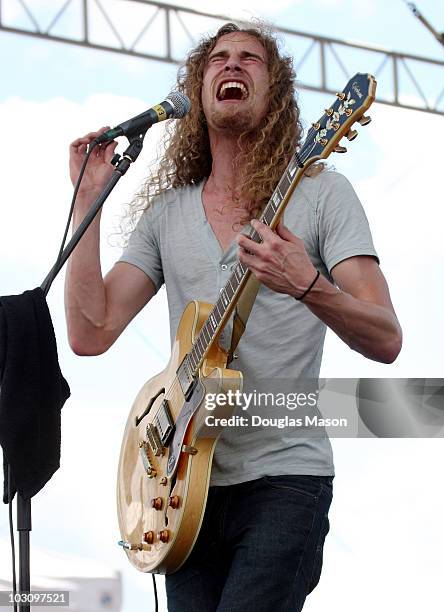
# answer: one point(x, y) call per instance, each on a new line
point(167, 449)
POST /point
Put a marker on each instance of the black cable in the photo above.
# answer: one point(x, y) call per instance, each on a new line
point(50, 279)
point(156, 602)
point(11, 534)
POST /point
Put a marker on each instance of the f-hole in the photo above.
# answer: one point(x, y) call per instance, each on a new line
point(148, 408)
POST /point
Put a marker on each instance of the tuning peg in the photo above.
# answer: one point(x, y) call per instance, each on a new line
point(339, 149)
point(351, 134)
point(329, 112)
point(341, 96)
point(364, 120)
point(316, 126)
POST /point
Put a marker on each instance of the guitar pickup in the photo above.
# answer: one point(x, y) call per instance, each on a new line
point(186, 378)
point(164, 422)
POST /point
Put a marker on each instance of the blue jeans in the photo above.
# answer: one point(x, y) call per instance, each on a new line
point(259, 549)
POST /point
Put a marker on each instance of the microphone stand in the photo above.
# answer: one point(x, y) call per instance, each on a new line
point(24, 505)
point(129, 156)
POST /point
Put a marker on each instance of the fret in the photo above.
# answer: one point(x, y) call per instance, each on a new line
point(220, 312)
point(205, 331)
point(285, 183)
point(196, 352)
point(187, 365)
point(225, 298)
point(210, 333)
point(231, 287)
point(298, 160)
point(276, 197)
point(191, 360)
point(291, 170)
point(255, 236)
point(268, 217)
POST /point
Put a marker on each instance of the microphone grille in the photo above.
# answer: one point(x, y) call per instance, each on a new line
point(180, 102)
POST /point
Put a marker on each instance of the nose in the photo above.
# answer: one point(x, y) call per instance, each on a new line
point(232, 65)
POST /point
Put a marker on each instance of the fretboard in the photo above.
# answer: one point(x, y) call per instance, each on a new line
point(230, 293)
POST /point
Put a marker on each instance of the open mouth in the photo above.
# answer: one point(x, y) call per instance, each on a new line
point(232, 90)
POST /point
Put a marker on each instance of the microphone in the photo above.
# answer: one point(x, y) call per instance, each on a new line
point(176, 106)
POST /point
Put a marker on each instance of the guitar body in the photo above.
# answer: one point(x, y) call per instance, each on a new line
point(160, 510)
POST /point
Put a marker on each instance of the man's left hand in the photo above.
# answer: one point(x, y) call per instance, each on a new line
point(280, 261)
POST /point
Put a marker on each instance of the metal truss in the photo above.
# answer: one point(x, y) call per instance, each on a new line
point(164, 32)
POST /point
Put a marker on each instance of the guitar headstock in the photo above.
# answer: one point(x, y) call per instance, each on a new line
point(337, 121)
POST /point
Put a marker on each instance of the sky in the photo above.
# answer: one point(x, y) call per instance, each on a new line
point(384, 547)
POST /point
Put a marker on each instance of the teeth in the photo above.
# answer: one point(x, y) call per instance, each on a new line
point(236, 84)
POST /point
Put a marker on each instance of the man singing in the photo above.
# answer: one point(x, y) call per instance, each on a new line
point(261, 542)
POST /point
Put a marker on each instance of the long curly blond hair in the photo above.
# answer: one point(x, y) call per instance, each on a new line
point(263, 154)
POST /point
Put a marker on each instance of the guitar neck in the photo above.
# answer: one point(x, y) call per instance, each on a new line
point(231, 292)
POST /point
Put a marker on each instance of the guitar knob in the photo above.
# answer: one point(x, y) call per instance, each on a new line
point(156, 503)
point(364, 120)
point(163, 481)
point(351, 134)
point(173, 501)
point(164, 535)
point(148, 537)
point(340, 149)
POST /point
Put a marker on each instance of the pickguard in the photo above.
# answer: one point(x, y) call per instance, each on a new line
point(187, 411)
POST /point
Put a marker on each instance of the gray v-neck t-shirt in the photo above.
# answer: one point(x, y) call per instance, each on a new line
point(174, 244)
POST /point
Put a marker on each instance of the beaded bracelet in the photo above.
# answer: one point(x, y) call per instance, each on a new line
point(309, 288)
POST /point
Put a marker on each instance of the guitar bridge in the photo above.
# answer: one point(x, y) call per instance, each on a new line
point(147, 463)
point(154, 439)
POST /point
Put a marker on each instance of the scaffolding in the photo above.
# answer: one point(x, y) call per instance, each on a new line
point(163, 32)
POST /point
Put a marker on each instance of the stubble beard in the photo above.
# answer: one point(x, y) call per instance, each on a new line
point(232, 120)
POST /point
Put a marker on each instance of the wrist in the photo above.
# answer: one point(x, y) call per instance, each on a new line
point(303, 280)
point(300, 297)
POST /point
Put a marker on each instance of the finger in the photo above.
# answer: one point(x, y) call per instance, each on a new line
point(109, 150)
point(85, 140)
point(249, 260)
point(248, 244)
point(263, 230)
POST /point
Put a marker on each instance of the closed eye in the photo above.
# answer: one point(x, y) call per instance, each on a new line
point(217, 58)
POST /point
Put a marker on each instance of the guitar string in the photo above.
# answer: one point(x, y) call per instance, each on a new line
point(256, 237)
point(297, 156)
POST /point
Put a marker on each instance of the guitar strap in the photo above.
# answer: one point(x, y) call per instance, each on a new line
point(243, 309)
point(242, 312)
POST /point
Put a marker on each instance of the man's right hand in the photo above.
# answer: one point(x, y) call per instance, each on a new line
point(99, 169)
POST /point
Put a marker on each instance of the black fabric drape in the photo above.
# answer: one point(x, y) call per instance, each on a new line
point(33, 391)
